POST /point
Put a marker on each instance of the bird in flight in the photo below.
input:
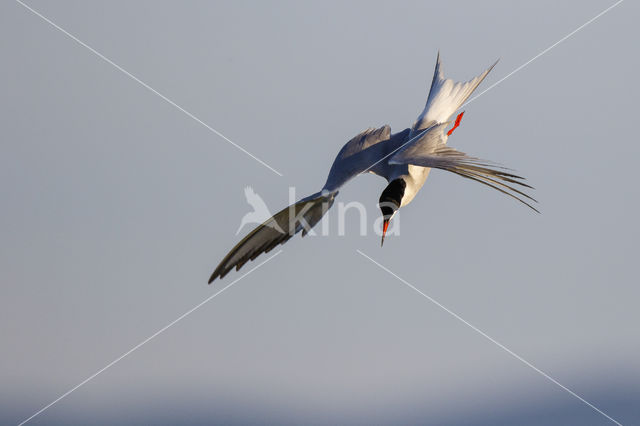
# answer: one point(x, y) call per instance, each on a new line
point(404, 159)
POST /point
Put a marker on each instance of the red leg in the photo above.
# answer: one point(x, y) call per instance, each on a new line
point(456, 124)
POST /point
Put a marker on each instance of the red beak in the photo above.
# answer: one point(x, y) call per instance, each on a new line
point(385, 225)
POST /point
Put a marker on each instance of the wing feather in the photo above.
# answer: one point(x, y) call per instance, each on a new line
point(428, 149)
point(367, 151)
point(276, 230)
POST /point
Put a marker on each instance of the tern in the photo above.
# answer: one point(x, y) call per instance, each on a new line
point(404, 159)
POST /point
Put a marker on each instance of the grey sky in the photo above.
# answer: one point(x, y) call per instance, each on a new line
point(117, 207)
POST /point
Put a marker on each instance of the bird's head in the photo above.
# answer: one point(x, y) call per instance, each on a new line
point(390, 201)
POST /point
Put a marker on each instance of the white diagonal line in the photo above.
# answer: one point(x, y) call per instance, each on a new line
point(500, 345)
point(541, 53)
point(510, 74)
point(133, 77)
point(163, 329)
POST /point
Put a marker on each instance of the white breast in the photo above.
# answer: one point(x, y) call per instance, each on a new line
point(415, 179)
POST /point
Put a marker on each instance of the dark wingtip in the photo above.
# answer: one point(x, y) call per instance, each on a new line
point(494, 64)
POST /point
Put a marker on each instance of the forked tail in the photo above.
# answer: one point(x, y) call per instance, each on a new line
point(446, 97)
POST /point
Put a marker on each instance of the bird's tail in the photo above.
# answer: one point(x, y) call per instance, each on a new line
point(446, 97)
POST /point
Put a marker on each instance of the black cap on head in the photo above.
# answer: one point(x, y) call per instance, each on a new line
point(391, 197)
point(390, 201)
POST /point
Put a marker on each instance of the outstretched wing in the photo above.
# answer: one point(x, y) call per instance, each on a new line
point(428, 149)
point(445, 97)
point(366, 152)
point(278, 229)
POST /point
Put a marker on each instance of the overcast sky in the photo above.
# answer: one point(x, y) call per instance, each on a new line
point(117, 206)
